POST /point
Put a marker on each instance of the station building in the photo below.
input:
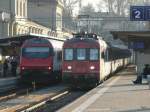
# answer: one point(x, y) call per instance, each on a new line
point(18, 17)
point(14, 19)
point(51, 15)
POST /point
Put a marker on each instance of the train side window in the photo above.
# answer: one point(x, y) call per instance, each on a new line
point(68, 54)
point(103, 55)
point(106, 55)
point(110, 53)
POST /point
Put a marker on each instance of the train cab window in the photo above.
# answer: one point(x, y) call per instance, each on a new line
point(68, 54)
point(81, 54)
point(94, 54)
point(36, 52)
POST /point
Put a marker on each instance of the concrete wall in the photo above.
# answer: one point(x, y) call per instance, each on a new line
point(7, 5)
point(4, 29)
point(43, 17)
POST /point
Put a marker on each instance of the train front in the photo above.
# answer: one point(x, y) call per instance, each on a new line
point(36, 62)
point(81, 64)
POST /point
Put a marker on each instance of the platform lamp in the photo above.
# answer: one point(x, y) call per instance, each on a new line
point(4, 19)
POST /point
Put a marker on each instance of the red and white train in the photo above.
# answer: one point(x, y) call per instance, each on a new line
point(40, 59)
point(88, 60)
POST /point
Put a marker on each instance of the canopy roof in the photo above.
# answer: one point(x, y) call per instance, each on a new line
point(131, 35)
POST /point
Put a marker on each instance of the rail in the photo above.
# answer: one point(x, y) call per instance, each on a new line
point(41, 103)
point(33, 100)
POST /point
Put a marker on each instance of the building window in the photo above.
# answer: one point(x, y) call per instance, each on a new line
point(58, 21)
point(24, 10)
point(17, 7)
point(41, 32)
point(20, 8)
point(32, 30)
point(18, 31)
point(49, 33)
point(38, 31)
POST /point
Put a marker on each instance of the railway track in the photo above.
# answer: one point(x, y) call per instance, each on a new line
point(55, 102)
point(32, 100)
point(38, 106)
point(59, 103)
point(14, 93)
point(19, 90)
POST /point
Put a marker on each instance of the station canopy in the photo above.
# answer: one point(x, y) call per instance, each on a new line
point(19, 39)
point(8, 41)
point(137, 40)
point(128, 36)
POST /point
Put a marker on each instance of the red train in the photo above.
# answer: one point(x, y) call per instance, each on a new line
point(88, 60)
point(40, 59)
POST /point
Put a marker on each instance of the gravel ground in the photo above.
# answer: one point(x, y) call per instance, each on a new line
point(59, 103)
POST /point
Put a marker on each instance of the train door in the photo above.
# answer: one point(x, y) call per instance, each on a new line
point(57, 59)
point(102, 65)
point(107, 62)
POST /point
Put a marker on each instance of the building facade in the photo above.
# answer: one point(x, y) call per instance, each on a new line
point(50, 13)
point(14, 20)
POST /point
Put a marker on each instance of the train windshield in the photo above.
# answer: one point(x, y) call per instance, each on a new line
point(68, 54)
point(81, 54)
point(94, 54)
point(36, 52)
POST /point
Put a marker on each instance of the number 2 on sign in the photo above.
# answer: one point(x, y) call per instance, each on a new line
point(137, 14)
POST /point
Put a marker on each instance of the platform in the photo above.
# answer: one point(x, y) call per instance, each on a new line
point(118, 94)
point(8, 83)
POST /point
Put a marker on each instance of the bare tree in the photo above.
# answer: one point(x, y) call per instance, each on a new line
point(68, 22)
point(69, 5)
point(87, 10)
point(119, 7)
point(88, 22)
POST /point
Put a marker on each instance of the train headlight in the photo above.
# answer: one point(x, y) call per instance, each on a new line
point(49, 68)
point(69, 67)
point(92, 67)
point(22, 68)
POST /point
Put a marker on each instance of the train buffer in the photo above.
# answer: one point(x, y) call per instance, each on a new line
point(117, 94)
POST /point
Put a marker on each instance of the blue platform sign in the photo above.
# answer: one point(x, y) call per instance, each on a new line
point(137, 13)
point(136, 45)
point(147, 9)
